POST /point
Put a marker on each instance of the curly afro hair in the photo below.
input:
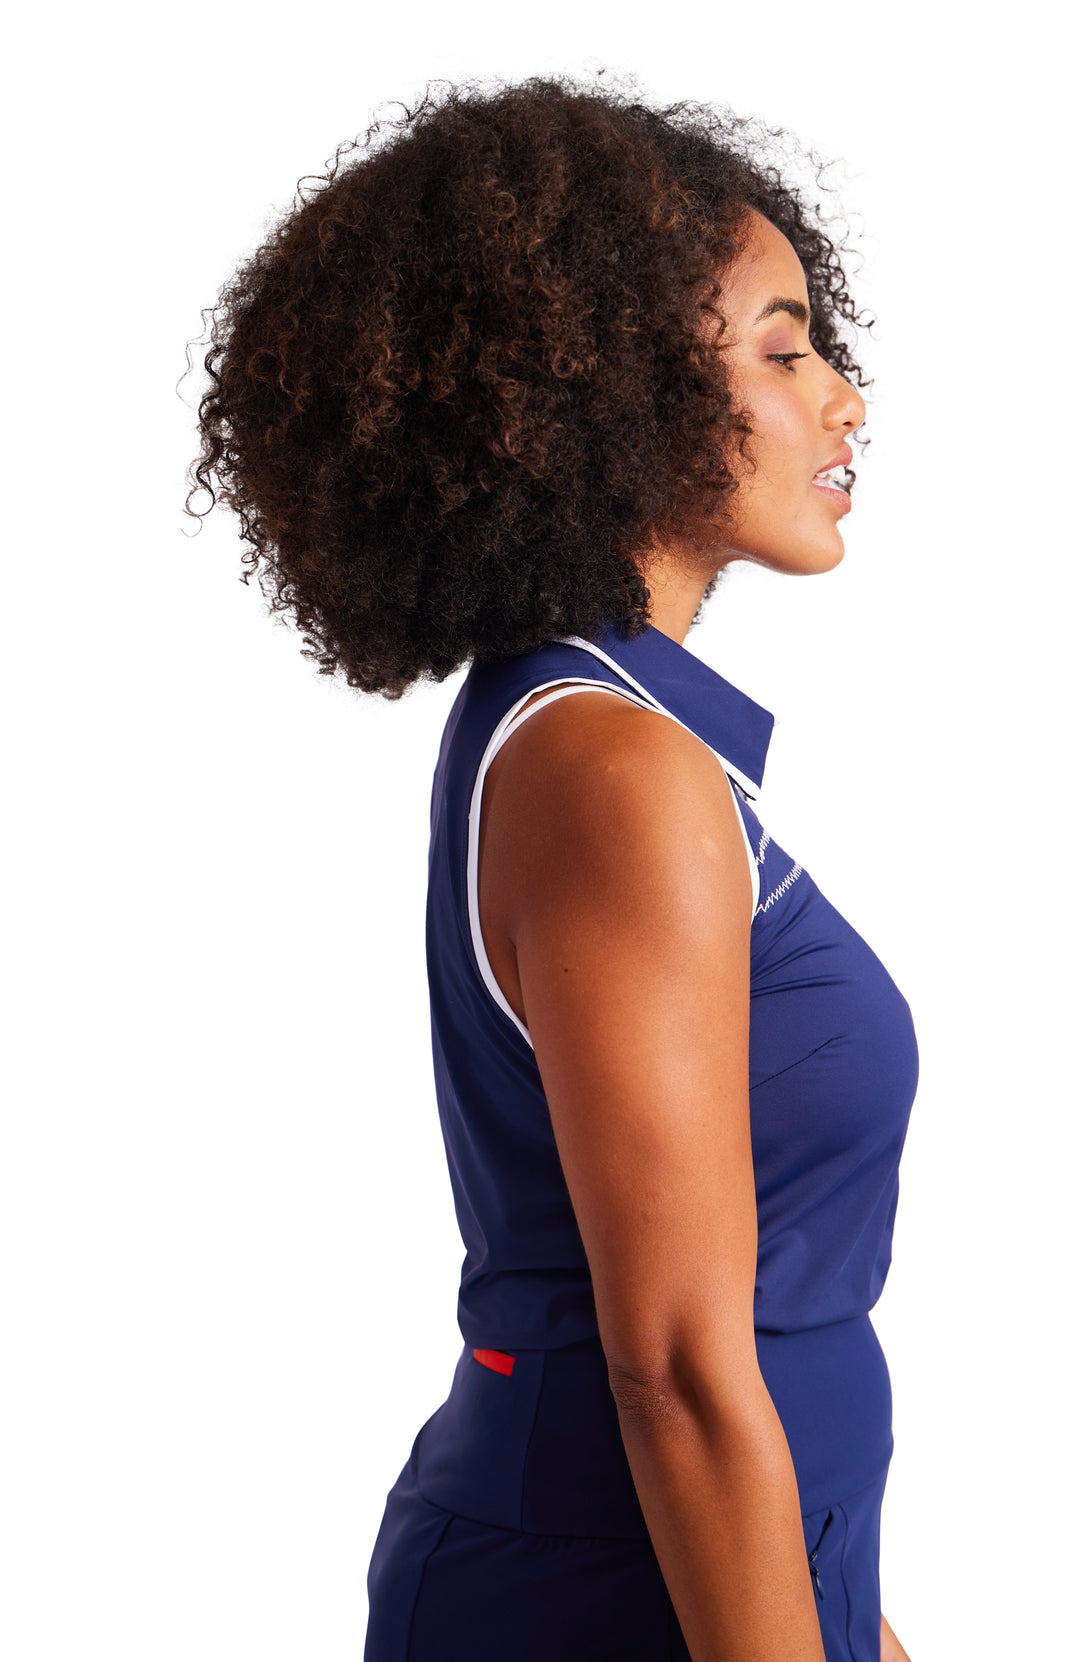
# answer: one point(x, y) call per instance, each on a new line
point(461, 391)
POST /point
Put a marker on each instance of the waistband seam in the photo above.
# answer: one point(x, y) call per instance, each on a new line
point(853, 1494)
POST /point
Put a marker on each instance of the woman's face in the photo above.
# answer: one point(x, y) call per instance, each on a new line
point(783, 514)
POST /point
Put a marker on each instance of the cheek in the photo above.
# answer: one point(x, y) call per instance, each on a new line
point(786, 429)
point(783, 438)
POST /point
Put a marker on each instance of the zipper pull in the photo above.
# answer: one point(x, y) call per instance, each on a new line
point(813, 1558)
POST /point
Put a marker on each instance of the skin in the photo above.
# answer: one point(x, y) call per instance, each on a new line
point(615, 905)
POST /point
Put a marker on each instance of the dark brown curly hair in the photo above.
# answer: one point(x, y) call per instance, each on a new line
point(462, 391)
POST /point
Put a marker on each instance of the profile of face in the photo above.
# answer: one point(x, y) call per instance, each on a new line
point(784, 514)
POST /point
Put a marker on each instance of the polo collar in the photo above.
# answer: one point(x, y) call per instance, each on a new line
point(685, 687)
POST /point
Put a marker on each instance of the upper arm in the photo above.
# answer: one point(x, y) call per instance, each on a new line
point(631, 925)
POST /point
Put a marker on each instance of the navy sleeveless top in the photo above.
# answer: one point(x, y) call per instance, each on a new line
point(833, 1057)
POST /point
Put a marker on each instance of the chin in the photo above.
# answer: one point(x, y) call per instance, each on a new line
point(826, 561)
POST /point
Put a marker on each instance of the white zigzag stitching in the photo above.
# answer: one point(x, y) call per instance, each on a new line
point(781, 888)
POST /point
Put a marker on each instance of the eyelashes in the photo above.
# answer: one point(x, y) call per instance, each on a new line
point(786, 359)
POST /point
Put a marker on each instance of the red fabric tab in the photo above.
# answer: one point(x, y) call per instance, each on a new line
point(496, 1360)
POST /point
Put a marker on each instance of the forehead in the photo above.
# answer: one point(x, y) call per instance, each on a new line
point(768, 268)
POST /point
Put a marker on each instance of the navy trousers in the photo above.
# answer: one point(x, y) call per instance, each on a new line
point(514, 1527)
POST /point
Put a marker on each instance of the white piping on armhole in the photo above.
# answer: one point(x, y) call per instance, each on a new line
point(510, 722)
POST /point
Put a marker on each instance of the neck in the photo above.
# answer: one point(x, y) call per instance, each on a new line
point(674, 595)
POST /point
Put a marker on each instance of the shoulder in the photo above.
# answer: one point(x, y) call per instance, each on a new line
point(594, 793)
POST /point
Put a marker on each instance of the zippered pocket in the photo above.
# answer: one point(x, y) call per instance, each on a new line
point(812, 1556)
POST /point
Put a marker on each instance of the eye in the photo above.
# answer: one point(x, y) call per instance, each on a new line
point(787, 358)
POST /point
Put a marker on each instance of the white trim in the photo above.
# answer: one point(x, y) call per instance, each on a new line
point(506, 726)
point(511, 721)
point(755, 879)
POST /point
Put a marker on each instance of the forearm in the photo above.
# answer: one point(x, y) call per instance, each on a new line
point(720, 1498)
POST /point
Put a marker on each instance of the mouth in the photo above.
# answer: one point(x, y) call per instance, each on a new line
point(836, 482)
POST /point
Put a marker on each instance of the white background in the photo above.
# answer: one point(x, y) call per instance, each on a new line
point(229, 1252)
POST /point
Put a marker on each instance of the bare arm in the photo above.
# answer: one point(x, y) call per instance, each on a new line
point(613, 838)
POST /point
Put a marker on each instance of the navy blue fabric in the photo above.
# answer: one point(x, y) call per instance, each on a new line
point(514, 1526)
point(833, 1058)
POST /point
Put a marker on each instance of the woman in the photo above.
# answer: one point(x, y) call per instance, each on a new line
point(513, 390)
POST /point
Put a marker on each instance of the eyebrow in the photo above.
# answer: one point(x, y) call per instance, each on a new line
point(796, 308)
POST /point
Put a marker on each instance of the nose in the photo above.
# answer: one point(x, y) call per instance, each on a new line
point(844, 406)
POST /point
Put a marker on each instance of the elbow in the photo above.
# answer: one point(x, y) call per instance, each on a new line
point(644, 1399)
point(699, 1386)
